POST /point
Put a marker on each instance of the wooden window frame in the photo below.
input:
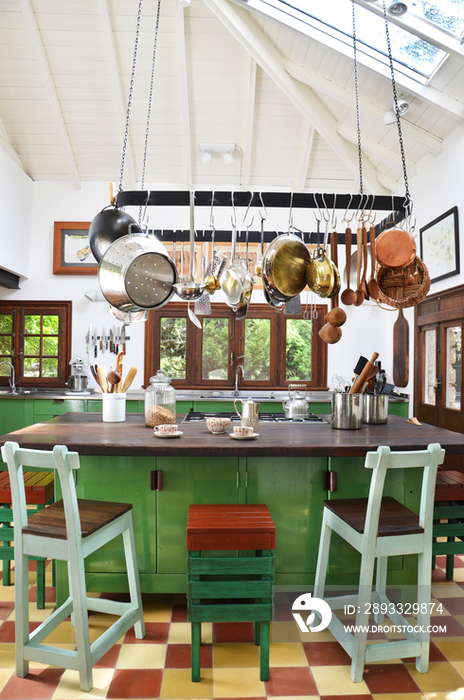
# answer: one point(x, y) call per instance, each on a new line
point(18, 310)
point(277, 380)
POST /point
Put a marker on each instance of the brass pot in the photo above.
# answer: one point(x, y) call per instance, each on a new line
point(284, 267)
point(322, 277)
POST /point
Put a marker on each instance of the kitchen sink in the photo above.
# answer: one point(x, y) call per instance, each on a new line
point(242, 396)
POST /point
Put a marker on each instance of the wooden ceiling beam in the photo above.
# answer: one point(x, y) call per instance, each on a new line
point(248, 34)
point(306, 158)
point(250, 122)
point(50, 90)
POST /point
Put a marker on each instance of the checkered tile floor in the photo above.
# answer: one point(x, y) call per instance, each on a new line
point(302, 665)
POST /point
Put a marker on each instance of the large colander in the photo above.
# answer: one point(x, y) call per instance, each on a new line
point(136, 273)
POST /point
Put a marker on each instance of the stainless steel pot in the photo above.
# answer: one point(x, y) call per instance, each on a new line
point(375, 408)
point(284, 267)
point(137, 273)
point(347, 411)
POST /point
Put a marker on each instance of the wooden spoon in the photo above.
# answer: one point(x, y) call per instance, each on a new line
point(112, 378)
point(330, 334)
point(336, 316)
point(348, 295)
point(373, 285)
point(359, 292)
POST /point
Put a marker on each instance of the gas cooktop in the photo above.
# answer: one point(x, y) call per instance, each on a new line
point(263, 417)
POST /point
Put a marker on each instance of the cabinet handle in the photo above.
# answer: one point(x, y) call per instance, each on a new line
point(330, 481)
point(156, 480)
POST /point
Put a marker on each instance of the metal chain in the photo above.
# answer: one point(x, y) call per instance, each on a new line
point(150, 97)
point(356, 83)
point(131, 92)
point(408, 201)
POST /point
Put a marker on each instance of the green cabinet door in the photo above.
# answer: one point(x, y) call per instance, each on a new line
point(14, 414)
point(49, 408)
point(188, 480)
point(293, 491)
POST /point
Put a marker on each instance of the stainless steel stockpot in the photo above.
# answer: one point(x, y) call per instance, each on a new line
point(136, 273)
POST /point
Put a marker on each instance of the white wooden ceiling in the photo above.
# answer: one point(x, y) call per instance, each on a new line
point(223, 74)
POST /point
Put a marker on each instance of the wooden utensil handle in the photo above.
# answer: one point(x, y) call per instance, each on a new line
point(372, 242)
point(361, 381)
point(334, 256)
point(348, 255)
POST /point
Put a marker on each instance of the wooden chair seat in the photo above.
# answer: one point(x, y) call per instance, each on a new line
point(448, 518)
point(51, 521)
point(395, 519)
point(230, 588)
point(40, 490)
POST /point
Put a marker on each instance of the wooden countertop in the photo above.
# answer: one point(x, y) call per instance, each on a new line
point(88, 435)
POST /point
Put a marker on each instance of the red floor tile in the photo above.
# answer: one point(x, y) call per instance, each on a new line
point(179, 656)
point(7, 630)
point(438, 576)
point(389, 678)
point(156, 633)
point(434, 655)
point(453, 628)
point(295, 680)
point(233, 632)
point(179, 613)
point(283, 613)
point(5, 609)
point(50, 594)
point(129, 683)
point(454, 605)
point(346, 697)
point(39, 684)
point(326, 654)
point(109, 659)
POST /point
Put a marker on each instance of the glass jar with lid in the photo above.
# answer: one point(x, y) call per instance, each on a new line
point(160, 401)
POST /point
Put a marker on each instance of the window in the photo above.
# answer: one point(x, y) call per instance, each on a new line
point(273, 349)
point(35, 337)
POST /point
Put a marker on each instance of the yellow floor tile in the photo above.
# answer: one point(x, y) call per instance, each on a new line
point(398, 696)
point(34, 614)
point(454, 695)
point(68, 688)
point(99, 623)
point(441, 677)
point(284, 632)
point(177, 683)
point(235, 656)
point(7, 594)
point(446, 590)
point(157, 613)
point(284, 654)
point(65, 633)
point(459, 667)
point(180, 633)
point(142, 656)
point(323, 636)
point(231, 683)
point(5, 675)
point(458, 574)
point(453, 650)
point(7, 655)
point(335, 680)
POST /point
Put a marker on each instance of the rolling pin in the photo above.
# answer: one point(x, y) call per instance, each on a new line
point(361, 381)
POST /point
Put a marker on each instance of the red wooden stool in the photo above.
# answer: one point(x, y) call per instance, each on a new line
point(230, 588)
point(449, 507)
point(40, 490)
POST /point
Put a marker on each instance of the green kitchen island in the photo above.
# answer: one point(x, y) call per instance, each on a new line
point(291, 467)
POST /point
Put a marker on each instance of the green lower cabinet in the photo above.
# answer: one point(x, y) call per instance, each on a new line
point(15, 414)
point(188, 480)
point(293, 491)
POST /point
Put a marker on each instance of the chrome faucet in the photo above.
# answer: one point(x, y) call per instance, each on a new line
point(236, 392)
point(12, 378)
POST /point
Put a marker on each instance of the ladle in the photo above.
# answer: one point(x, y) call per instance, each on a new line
point(190, 290)
point(373, 285)
point(336, 316)
point(348, 295)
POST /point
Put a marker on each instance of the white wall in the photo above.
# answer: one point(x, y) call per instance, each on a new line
point(16, 205)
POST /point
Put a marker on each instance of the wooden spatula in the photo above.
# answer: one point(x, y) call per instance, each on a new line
point(401, 351)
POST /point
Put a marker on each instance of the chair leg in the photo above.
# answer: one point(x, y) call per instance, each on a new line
point(450, 566)
point(424, 577)
point(265, 631)
point(381, 584)
point(21, 614)
point(322, 558)
point(362, 617)
point(133, 577)
point(257, 633)
point(81, 621)
point(41, 584)
point(195, 647)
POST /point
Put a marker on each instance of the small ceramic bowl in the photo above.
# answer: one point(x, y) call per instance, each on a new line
point(217, 425)
point(166, 429)
point(243, 430)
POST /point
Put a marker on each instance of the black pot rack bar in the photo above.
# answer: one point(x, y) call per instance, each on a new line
point(284, 200)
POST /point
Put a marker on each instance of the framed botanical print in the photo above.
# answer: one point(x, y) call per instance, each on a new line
point(71, 249)
point(439, 243)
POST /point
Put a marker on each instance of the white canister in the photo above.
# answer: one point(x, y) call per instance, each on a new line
point(113, 408)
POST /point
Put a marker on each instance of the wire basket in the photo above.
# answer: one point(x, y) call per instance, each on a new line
point(405, 287)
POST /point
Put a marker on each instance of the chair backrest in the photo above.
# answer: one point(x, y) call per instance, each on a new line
point(384, 459)
point(59, 459)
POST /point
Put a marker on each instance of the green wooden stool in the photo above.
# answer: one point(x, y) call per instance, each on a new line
point(40, 490)
point(449, 507)
point(230, 588)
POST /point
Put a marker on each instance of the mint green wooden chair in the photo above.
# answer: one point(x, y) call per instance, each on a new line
point(380, 527)
point(68, 530)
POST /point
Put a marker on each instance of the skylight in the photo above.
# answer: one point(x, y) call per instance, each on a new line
point(413, 56)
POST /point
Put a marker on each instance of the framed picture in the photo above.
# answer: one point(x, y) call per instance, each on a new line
point(439, 244)
point(71, 249)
